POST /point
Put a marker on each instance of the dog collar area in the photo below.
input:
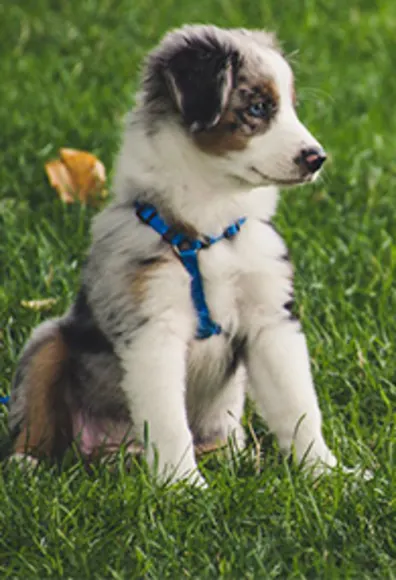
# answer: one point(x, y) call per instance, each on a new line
point(187, 249)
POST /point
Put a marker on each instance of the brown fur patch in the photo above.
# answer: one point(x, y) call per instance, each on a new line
point(141, 279)
point(236, 127)
point(186, 229)
point(146, 271)
point(47, 427)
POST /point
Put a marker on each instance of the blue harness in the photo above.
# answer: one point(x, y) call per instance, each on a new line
point(187, 251)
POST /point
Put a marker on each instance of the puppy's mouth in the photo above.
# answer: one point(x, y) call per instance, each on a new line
point(296, 181)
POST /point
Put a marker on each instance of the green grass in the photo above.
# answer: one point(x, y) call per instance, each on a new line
point(68, 73)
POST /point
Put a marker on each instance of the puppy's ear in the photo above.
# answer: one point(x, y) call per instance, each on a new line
point(200, 75)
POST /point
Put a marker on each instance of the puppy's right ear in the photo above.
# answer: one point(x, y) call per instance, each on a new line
point(199, 71)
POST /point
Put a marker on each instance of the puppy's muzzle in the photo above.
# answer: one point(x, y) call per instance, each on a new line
point(310, 160)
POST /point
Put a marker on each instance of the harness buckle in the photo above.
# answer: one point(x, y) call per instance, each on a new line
point(170, 234)
point(232, 231)
point(205, 241)
point(141, 212)
point(185, 246)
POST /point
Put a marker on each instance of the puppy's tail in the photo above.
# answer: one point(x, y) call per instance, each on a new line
point(39, 418)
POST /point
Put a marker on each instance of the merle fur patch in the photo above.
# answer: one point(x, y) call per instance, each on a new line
point(81, 331)
point(195, 72)
point(236, 354)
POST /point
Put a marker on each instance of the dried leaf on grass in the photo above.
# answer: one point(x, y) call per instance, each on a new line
point(60, 179)
point(38, 305)
point(205, 448)
point(77, 176)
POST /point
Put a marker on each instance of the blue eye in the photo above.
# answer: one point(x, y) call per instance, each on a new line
point(261, 109)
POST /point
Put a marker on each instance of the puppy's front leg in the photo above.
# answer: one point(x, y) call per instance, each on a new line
point(281, 381)
point(154, 383)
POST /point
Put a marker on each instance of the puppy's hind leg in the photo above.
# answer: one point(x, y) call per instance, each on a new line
point(39, 419)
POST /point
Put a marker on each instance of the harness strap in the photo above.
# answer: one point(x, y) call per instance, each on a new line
point(206, 326)
point(187, 250)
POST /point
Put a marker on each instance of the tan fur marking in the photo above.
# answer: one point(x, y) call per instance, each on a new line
point(140, 282)
point(222, 138)
point(186, 229)
point(236, 127)
point(38, 435)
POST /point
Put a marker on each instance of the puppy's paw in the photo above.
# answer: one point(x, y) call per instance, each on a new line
point(359, 473)
point(198, 481)
point(193, 479)
point(179, 479)
point(319, 465)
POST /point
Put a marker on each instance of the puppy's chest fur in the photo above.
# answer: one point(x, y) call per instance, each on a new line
point(245, 276)
point(247, 280)
point(246, 283)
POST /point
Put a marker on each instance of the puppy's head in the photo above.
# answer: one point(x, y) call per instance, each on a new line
point(233, 92)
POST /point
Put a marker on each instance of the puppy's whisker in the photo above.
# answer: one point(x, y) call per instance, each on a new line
point(291, 56)
point(312, 94)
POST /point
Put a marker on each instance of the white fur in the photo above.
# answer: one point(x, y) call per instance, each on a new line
point(171, 381)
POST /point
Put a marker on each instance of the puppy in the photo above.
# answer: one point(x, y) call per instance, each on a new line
point(186, 295)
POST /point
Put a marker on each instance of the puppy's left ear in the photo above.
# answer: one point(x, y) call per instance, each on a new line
point(200, 75)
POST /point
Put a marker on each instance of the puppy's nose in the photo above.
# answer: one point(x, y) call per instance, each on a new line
point(311, 160)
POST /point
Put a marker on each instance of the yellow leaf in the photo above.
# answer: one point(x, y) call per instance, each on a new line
point(77, 175)
point(61, 180)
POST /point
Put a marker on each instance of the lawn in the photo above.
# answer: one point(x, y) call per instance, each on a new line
point(68, 73)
